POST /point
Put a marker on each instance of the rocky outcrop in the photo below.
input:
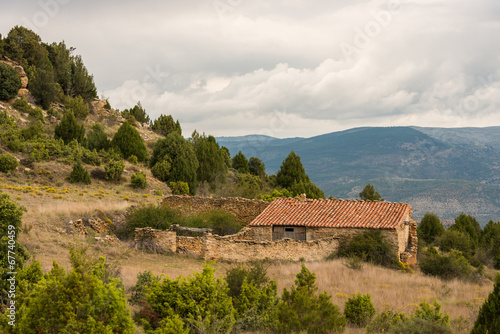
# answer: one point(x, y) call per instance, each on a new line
point(20, 71)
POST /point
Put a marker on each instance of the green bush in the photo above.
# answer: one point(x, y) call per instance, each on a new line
point(22, 105)
point(133, 159)
point(10, 83)
point(370, 246)
point(301, 310)
point(113, 170)
point(161, 170)
point(446, 266)
point(254, 272)
point(384, 321)
point(456, 240)
point(359, 309)
point(79, 174)
point(87, 300)
point(179, 188)
point(201, 301)
point(8, 163)
point(138, 290)
point(425, 320)
point(157, 217)
point(77, 107)
point(97, 139)
point(138, 180)
point(223, 223)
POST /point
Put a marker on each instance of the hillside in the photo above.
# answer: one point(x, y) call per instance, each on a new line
point(446, 171)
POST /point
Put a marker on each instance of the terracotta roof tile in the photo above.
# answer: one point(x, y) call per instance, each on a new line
point(333, 213)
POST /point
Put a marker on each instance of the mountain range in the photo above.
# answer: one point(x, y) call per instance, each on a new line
point(442, 170)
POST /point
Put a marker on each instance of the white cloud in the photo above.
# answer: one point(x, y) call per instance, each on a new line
point(232, 70)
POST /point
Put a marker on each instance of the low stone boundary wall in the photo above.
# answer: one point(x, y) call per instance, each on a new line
point(190, 245)
point(245, 210)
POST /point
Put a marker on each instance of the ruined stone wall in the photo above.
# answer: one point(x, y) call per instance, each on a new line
point(244, 209)
point(190, 245)
point(285, 249)
point(157, 240)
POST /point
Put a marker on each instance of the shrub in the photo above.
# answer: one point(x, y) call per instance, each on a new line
point(97, 139)
point(113, 170)
point(88, 299)
point(201, 301)
point(161, 170)
point(426, 320)
point(223, 223)
point(77, 106)
point(371, 246)
point(22, 105)
point(8, 163)
point(157, 217)
point(359, 309)
point(254, 272)
point(10, 83)
point(138, 290)
point(384, 321)
point(133, 159)
point(79, 174)
point(164, 125)
point(452, 239)
point(179, 188)
point(447, 266)
point(301, 309)
point(488, 319)
point(138, 180)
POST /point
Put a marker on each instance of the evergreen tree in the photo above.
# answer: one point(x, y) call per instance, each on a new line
point(179, 153)
point(139, 113)
point(488, 320)
point(429, 228)
point(369, 194)
point(97, 138)
point(77, 107)
point(79, 174)
point(211, 158)
point(129, 142)
point(25, 47)
point(164, 125)
point(256, 167)
point(60, 57)
point(468, 225)
point(291, 171)
point(240, 163)
point(69, 129)
point(42, 85)
point(82, 83)
point(10, 83)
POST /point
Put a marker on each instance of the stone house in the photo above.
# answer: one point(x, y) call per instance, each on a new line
point(288, 228)
point(309, 220)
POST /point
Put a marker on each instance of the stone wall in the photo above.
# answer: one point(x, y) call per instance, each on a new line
point(155, 240)
point(285, 249)
point(244, 209)
point(190, 245)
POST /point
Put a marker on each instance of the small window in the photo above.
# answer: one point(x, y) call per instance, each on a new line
point(289, 229)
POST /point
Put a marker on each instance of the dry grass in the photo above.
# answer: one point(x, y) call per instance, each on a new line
point(392, 289)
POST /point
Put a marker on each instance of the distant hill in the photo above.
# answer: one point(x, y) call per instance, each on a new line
point(445, 171)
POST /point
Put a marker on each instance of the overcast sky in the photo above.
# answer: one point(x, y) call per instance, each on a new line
point(284, 68)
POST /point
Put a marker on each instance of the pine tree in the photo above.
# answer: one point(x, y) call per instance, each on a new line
point(69, 129)
point(129, 142)
point(429, 228)
point(369, 194)
point(488, 319)
point(211, 158)
point(291, 171)
point(10, 83)
point(164, 125)
point(240, 163)
point(256, 167)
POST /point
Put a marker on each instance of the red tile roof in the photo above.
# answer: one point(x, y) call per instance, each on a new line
point(333, 213)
